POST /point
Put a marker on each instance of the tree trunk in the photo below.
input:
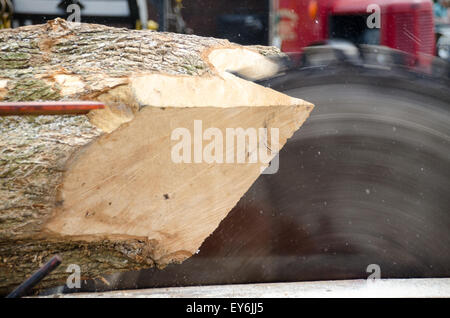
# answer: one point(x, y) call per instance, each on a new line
point(106, 191)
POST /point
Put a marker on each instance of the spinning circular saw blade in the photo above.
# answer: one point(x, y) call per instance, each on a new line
point(365, 181)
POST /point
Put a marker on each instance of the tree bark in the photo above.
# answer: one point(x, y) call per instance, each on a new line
point(102, 190)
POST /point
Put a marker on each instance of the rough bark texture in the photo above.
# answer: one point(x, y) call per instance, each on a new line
point(64, 61)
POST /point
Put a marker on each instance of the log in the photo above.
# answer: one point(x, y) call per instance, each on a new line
point(144, 181)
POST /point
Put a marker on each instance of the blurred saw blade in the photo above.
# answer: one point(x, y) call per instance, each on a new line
point(364, 181)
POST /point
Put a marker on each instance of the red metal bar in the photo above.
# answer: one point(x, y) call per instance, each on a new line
point(48, 108)
point(27, 285)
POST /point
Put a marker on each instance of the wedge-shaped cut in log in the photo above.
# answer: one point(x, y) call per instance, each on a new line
point(108, 191)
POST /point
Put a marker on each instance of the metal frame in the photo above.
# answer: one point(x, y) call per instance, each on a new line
point(118, 11)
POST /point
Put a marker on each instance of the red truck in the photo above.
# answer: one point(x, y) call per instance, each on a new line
point(406, 25)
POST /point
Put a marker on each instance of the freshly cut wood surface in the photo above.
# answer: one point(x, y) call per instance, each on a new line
point(103, 190)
